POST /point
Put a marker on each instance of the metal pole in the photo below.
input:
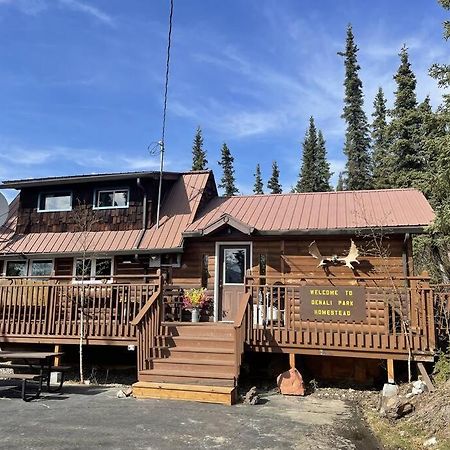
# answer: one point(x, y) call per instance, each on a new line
point(161, 166)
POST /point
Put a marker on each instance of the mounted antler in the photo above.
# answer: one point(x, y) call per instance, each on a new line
point(314, 251)
point(352, 256)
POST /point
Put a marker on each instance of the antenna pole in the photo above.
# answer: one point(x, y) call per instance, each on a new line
point(161, 168)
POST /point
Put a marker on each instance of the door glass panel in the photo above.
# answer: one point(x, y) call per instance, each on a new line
point(234, 265)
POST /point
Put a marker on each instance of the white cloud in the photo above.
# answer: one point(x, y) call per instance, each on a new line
point(34, 7)
point(85, 8)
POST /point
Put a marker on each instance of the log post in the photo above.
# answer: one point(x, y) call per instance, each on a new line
point(57, 361)
point(292, 360)
point(390, 371)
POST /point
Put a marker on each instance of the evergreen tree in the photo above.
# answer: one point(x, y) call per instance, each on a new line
point(340, 186)
point(258, 187)
point(357, 140)
point(228, 180)
point(382, 159)
point(323, 173)
point(315, 170)
point(274, 182)
point(408, 162)
point(306, 179)
point(199, 161)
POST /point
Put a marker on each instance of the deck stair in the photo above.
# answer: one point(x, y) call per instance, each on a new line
point(195, 361)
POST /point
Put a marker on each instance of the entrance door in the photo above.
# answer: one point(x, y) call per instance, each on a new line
point(234, 260)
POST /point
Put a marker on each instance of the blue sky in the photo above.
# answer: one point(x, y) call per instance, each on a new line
point(81, 81)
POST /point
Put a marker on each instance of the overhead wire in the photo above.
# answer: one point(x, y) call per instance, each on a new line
point(163, 130)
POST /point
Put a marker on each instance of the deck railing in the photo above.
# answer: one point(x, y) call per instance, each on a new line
point(149, 330)
point(398, 317)
point(52, 311)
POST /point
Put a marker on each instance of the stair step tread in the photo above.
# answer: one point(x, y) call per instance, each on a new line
point(176, 373)
point(186, 349)
point(195, 381)
point(200, 362)
point(199, 325)
point(203, 338)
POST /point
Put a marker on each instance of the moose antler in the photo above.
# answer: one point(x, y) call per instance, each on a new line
point(352, 256)
point(314, 251)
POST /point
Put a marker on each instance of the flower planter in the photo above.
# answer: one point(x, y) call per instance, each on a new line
point(195, 315)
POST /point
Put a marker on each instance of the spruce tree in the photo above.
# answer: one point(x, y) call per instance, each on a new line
point(228, 180)
point(274, 182)
point(357, 140)
point(199, 161)
point(258, 187)
point(322, 170)
point(408, 160)
point(340, 186)
point(381, 156)
point(306, 179)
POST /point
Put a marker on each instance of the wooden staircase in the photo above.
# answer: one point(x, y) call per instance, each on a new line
point(194, 361)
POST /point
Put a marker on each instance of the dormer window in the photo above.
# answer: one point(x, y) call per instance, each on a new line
point(54, 201)
point(111, 198)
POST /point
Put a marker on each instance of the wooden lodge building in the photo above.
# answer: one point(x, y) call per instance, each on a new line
point(281, 273)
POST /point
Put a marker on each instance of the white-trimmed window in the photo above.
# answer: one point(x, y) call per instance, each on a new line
point(111, 198)
point(54, 201)
point(93, 269)
point(41, 268)
point(15, 268)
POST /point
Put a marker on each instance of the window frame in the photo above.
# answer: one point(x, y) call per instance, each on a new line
point(6, 261)
point(30, 267)
point(224, 274)
point(92, 278)
point(113, 190)
point(39, 210)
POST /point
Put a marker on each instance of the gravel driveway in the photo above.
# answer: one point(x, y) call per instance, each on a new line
point(93, 417)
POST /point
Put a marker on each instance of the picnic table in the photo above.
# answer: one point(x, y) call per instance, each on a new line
point(38, 366)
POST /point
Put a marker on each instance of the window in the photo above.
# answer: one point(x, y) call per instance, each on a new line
point(94, 268)
point(16, 269)
point(41, 268)
point(234, 265)
point(56, 201)
point(116, 198)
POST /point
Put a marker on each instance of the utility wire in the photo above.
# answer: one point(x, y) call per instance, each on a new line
point(163, 131)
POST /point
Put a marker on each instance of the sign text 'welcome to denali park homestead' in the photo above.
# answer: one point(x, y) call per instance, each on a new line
point(333, 303)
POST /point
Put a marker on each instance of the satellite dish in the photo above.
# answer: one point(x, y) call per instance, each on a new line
point(4, 209)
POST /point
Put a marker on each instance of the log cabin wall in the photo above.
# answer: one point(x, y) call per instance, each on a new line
point(290, 257)
point(112, 219)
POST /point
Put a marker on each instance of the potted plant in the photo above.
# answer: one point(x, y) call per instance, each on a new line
point(194, 300)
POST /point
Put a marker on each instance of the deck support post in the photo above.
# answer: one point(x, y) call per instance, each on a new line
point(57, 361)
point(292, 360)
point(390, 371)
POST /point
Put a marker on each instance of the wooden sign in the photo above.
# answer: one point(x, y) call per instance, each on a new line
point(333, 303)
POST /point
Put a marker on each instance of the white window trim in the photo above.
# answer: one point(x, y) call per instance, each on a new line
point(39, 210)
point(92, 279)
point(98, 191)
point(30, 266)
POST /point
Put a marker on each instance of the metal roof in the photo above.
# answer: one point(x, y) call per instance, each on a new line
point(87, 178)
point(343, 211)
point(177, 212)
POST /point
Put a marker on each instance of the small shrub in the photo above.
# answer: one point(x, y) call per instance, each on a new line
point(441, 370)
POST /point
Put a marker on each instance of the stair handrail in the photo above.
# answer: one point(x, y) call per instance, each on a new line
point(243, 328)
point(140, 316)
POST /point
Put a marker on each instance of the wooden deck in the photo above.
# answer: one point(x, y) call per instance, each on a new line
point(42, 312)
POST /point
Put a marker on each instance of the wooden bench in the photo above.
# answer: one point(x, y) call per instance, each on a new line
point(24, 377)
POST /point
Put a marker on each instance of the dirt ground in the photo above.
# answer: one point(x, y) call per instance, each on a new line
point(93, 417)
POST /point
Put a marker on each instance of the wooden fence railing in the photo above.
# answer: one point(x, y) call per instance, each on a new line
point(399, 317)
point(148, 328)
point(46, 311)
